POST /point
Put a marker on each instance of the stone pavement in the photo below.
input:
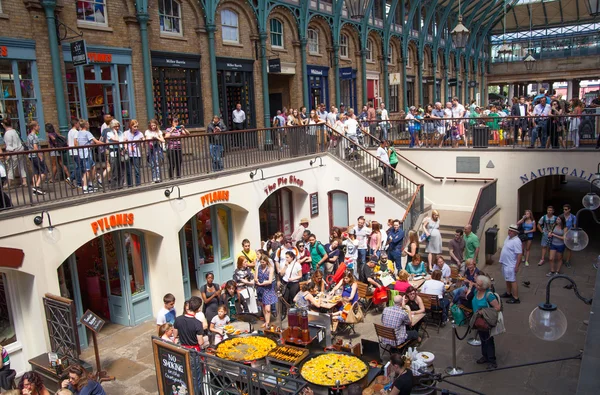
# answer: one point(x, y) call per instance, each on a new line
point(126, 352)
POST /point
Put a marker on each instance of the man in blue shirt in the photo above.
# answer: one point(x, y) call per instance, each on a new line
point(541, 111)
point(395, 242)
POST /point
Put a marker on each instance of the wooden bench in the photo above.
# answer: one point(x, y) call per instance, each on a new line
point(383, 332)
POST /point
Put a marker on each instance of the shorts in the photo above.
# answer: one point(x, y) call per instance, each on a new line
point(544, 240)
point(39, 167)
point(441, 129)
point(509, 273)
point(86, 164)
point(560, 248)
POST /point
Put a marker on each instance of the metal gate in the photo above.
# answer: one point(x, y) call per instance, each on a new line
point(62, 326)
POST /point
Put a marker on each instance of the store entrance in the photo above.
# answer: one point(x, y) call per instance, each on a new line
point(108, 276)
point(100, 101)
point(315, 98)
point(276, 214)
point(236, 87)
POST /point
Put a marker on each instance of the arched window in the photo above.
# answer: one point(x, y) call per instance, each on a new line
point(369, 50)
point(390, 54)
point(344, 46)
point(313, 41)
point(230, 26)
point(276, 33)
point(409, 59)
point(169, 13)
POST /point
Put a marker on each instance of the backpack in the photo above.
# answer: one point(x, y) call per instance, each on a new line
point(60, 141)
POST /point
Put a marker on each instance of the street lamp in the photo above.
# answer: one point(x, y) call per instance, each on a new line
point(357, 8)
point(576, 239)
point(593, 7)
point(51, 233)
point(546, 321)
point(504, 52)
point(460, 34)
point(529, 62)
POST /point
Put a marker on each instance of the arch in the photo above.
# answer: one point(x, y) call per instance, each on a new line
point(198, 12)
point(412, 55)
point(313, 35)
point(243, 10)
point(325, 33)
point(293, 188)
point(351, 31)
point(427, 60)
point(377, 44)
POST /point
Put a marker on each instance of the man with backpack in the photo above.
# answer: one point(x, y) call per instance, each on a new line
point(318, 254)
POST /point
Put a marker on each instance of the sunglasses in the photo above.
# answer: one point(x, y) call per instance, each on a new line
point(300, 245)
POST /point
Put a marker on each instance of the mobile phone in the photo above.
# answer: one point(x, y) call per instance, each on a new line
point(178, 126)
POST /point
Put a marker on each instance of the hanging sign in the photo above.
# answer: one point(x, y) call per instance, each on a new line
point(314, 204)
point(92, 321)
point(173, 368)
point(394, 79)
point(275, 65)
point(79, 53)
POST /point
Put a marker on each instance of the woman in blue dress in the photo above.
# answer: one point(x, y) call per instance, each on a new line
point(527, 222)
point(349, 292)
point(265, 282)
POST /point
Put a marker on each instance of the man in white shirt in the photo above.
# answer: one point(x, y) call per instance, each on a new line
point(382, 154)
point(541, 111)
point(384, 124)
point(351, 128)
point(362, 234)
point(331, 118)
point(73, 155)
point(510, 258)
point(238, 117)
point(14, 143)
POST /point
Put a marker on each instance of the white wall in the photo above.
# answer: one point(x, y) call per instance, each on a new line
point(157, 218)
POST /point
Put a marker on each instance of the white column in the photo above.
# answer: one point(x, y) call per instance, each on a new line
point(569, 89)
point(511, 91)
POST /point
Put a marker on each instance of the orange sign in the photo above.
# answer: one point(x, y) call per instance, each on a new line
point(99, 57)
point(112, 222)
point(214, 197)
point(3, 52)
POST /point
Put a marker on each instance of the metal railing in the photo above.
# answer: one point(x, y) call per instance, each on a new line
point(552, 132)
point(486, 201)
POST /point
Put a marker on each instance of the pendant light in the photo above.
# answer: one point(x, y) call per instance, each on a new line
point(460, 34)
point(529, 59)
point(505, 50)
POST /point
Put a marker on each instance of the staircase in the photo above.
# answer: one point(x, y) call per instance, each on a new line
point(449, 222)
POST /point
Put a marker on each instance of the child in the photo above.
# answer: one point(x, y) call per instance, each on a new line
point(217, 325)
point(351, 255)
point(166, 332)
point(232, 300)
point(167, 314)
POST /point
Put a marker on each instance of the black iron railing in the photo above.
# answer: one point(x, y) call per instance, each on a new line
point(486, 201)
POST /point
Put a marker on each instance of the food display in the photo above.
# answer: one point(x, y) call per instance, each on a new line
point(326, 369)
point(247, 348)
point(287, 354)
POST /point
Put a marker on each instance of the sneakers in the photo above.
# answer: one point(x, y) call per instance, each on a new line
point(492, 365)
point(481, 361)
point(568, 264)
point(550, 274)
point(513, 301)
point(526, 263)
point(88, 190)
point(541, 262)
point(506, 295)
point(38, 191)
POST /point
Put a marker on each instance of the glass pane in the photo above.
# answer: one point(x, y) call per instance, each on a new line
point(7, 327)
point(89, 72)
point(135, 264)
point(223, 230)
point(112, 264)
point(30, 110)
point(106, 72)
point(339, 203)
point(205, 239)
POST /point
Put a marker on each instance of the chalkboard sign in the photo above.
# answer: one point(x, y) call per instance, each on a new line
point(92, 321)
point(79, 53)
point(314, 204)
point(173, 369)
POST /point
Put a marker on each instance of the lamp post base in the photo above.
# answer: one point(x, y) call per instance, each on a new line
point(453, 370)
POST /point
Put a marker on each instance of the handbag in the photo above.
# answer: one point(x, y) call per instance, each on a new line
point(481, 324)
point(352, 316)
point(458, 315)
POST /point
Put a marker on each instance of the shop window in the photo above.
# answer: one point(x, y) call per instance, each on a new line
point(230, 26)
point(313, 41)
point(394, 93)
point(8, 334)
point(223, 231)
point(92, 11)
point(276, 33)
point(344, 46)
point(177, 94)
point(135, 263)
point(169, 12)
point(338, 209)
point(18, 95)
point(409, 59)
point(369, 49)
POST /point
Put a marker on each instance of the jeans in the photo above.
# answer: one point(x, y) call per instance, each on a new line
point(216, 153)
point(155, 156)
point(384, 131)
point(488, 348)
point(387, 175)
point(411, 132)
point(540, 130)
point(362, 257)
point(133, 166)
point(458, 293)
point(396, 257)
point(76, 171)
point(175, 162)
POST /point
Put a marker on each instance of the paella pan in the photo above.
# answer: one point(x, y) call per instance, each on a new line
point(245, 348)
point(327, 368)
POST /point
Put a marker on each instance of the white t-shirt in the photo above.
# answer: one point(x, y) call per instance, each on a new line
point(152, 134)
point(351, 126)
point(434, 287)
point(165, 316)
point(510, 250)
point(71, 140)
point(202, 318)
point(294, 270)
point(458, 111)
point(383, 155)
point(362, 234)
point(280, 256)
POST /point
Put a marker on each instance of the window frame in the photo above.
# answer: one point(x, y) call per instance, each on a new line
point(369, 49)
point(390, 54)
point(165, 16)
point(236, 26)
point(330, 201)
point(344, 46)
point(313, 42)
point(14, 307)
point(279, 34)
point(93, 23)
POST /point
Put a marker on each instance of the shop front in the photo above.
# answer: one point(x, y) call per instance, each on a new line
point(281, 82)
point(206, 247)
point(20, 95)
point(373, 88)
point(103, 86)
point(318, 85)
point(348, 87)
point(109, 276)
point(236, 85)
point(276, 214)
point(176, 87)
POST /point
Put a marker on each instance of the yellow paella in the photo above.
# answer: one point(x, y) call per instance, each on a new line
point(327, 368)
point(245, 348)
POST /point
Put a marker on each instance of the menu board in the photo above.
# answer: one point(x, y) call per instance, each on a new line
point(173, 370)
point(314, 204)
point(92, 321)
